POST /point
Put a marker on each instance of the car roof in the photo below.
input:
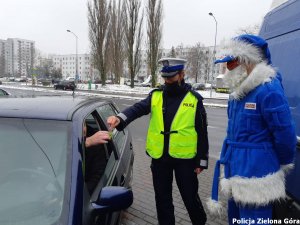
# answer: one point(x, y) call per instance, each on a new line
point(44, 107)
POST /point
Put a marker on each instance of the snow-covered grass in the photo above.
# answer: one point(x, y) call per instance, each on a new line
point(113, 91)
point(113, 88)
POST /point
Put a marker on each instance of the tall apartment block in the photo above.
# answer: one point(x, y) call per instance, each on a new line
point(16, 57)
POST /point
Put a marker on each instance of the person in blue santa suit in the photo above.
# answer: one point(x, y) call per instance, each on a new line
point(260, 144)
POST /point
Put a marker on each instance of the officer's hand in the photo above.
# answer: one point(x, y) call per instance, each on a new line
point(113, 121)
point(198, 170)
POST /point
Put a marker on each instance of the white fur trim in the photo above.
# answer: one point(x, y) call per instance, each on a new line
point(258, 191)
point(261, 74)
point(225, 185)
point(215, 208)
point(246, 52)
point(287, 168)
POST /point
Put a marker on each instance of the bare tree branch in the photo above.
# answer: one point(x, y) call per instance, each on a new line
point(154, 34)
point(133, 34)
point(99, 21)
point(248, 30)
point(117, 38)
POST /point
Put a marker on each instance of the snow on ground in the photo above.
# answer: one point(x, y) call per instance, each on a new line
point(113, 91)
point(113, 88)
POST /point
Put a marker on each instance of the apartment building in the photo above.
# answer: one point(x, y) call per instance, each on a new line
point(86, 70)
point(2, 57)
point(16, 57)
point(67, 65)
point(206, 71)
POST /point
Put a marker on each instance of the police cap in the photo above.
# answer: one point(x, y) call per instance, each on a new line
point(171, 66)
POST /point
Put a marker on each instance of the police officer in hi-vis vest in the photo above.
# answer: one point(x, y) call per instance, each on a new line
point(176, 141)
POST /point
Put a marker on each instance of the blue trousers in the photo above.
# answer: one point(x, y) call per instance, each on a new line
point(247, 215)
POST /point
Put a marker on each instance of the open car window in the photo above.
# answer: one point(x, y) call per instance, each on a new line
point(118, 137)
point(99, 160)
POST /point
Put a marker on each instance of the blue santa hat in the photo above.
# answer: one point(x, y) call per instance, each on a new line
point(247, 48)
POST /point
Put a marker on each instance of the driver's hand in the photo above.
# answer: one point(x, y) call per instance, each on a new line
point(100, 137)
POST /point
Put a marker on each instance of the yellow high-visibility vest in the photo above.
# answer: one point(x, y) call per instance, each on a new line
point(183, 136)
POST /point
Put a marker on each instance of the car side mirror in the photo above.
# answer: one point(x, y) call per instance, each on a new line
point(113, 198)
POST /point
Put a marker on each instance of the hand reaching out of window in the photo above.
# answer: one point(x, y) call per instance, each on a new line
point(100, 137)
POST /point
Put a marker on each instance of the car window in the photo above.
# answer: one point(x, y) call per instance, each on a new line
point(96, 156)
point(35, 153)
point(2, 92)
point(118, 137)
point(105, 111)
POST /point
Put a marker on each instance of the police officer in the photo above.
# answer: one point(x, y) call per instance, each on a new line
point(176, 141)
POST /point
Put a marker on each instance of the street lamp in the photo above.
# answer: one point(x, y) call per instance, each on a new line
point(76, 73)
point(214, 53)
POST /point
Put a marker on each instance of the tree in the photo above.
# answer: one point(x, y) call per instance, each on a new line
point(207, 60)
point(117, 39)
point(195, 61)
point(56, 73)
point(172, 52)
point(180, 50)
point(133, 36)
point(45, 69)
point(248, 30)
point(99, 21)
point(154, 33)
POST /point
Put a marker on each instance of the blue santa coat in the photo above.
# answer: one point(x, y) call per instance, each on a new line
point(260, 130)
point(260, 141)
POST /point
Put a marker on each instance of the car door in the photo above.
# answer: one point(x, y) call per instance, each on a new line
point(102, 167)
point(122, 142)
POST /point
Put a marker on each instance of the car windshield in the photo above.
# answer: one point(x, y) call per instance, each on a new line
point(32, 170)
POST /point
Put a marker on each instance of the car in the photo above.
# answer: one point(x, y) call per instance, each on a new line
point(65, 85)
point(198, 86)
point(4, 92)
point(146, 84)
point(70, 78)
point(281, 30)
point(55, 80)
point(43, 179)
point(136, 83)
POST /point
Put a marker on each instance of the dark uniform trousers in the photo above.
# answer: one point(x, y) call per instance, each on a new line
point(187, 182)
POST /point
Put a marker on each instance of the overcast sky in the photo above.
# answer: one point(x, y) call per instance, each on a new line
point(185, 21)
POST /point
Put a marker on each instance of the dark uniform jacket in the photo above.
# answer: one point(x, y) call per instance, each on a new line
point(172, 97)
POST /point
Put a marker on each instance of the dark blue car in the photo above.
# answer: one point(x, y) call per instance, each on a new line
point(47, 176)
point(281, 29)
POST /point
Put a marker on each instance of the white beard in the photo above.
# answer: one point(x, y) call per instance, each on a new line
point(235, 77)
